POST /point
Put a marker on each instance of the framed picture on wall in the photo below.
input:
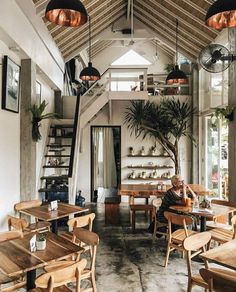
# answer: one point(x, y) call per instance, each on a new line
point(38, 93)
point(10, 85)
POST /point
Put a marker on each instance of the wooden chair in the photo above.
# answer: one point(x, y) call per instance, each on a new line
point(196, 243)
point(12, 283)
point(92, 240)
point(82, 222)
point(38, 225)
point(175, 239)
point(57, 279)
point(217, 223)
point(221, 235)
point(156, 203)
point(219, 281)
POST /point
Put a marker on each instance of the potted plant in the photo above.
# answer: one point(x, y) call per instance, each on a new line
point(131, 151)
point(41, 242)
point(226, 112)
point(37, 116)
point(167, 122)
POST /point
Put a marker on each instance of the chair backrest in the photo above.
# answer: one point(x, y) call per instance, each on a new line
point(89, 238)
point(178, 219)
point(62, 276)
point(196, 242)
point(233, 222)
point(8, 235)
point(27, 204)
point(219, 282)
point(17, 223)
point(82, 221)
point(223, 203)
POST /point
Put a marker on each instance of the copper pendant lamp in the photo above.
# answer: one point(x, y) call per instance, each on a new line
point(66, 12)
point(222, 14)
point(89, 73)
point(176, 75)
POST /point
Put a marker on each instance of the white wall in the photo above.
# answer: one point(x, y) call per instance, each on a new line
point(118, 108)
point(9, 152)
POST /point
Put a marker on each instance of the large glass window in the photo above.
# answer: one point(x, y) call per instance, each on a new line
point(216, 164)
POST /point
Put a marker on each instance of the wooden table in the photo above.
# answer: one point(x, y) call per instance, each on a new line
point(16, 257)
point(63, 211)
point(147, 190)
point(214, 212)
point(224, 254)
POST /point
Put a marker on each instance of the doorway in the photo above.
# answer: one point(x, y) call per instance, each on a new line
point(105, 162)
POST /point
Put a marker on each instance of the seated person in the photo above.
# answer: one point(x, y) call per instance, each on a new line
point(174, 196)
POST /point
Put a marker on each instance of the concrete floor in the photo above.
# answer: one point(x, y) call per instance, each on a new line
point(133, 262)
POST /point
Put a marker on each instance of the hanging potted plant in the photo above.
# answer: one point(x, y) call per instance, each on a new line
point(226, 112)
point(37, 116)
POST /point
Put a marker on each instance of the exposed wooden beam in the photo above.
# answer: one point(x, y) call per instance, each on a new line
point(195, 6)
point(170, 33)
point(173, 24)
point(167, 51)
point(191, 27)
point(66, 40)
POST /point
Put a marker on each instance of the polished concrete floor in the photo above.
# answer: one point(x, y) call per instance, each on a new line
point(133, 262)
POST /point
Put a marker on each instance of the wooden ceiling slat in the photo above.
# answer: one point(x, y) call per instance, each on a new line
point(173, 24)
point(94, 23)
point(195, 6)
point(193, 17)
point(167, 40)
point(164, 49)
point(201, 34)
point(167, 31)
point(75, 49)
point(101, 48)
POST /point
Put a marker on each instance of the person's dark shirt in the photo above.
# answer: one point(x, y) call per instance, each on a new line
point(170, 198)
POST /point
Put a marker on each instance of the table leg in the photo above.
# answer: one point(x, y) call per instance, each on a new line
point(203, 224)
point(30, 281)
point(54, 226)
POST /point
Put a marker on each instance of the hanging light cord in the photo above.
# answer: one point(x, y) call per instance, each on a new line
point(89, 39)
point(177, 24)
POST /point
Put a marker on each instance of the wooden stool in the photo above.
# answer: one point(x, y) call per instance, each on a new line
point(112, 210)
point(134, 208)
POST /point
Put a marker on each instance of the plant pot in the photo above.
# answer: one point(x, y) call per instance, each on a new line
point(41, 245)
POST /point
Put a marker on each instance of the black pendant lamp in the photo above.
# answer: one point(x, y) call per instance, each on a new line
point(66, 12)
point(222, 14)
point(89, 73)
point(176, 75)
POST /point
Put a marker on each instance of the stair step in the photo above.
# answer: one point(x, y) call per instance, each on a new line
point(56, 150)
point(56, 155)
point(62, 137)
point(58, 145)
point(56, 166)
point(55, 177)
point(62, 126)
point(52, 190)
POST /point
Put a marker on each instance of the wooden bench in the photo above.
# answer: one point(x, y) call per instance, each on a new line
point(144, 207)
point(112, 210)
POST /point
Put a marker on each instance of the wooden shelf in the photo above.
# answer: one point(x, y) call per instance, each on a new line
point(148, 155)
point(149, 167)
point(149, 178)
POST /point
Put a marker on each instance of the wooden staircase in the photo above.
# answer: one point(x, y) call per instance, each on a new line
point(54, 181)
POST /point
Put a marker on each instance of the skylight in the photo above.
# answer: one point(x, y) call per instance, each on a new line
point(131, 58)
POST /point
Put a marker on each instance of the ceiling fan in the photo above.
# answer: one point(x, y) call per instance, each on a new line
point(215, 58)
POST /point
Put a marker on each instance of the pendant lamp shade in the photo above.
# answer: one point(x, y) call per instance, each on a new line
point(222, 14)
point(66, 12)
point(176, 75)
point(89, 73)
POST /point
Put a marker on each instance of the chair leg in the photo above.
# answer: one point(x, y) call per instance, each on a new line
point(93, 282)
point(167, 255)
point(133, 220)
point(189, 286)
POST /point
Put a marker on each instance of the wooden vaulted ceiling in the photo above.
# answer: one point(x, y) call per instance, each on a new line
point(157, 15)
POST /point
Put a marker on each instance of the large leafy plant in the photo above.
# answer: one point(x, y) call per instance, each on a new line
point(37, 116)
point(167, 122)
